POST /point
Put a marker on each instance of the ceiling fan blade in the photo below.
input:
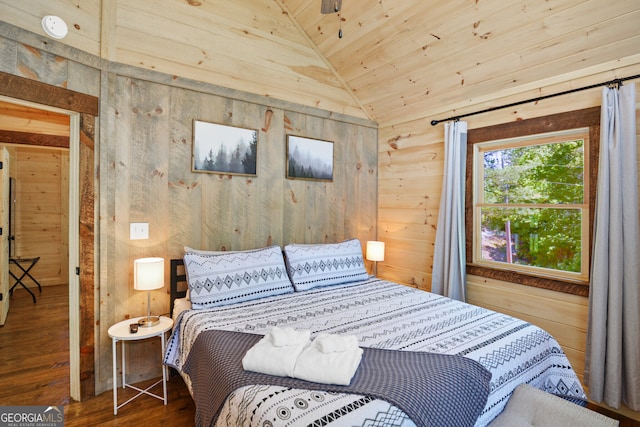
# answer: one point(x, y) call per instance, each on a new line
point(331, 6)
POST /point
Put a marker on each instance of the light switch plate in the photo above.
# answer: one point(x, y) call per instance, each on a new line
point(139, 230)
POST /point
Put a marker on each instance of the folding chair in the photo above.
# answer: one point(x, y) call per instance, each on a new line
point(25, 272)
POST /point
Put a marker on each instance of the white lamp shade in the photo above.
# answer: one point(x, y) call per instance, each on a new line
point(148, 274)
point(375, 251)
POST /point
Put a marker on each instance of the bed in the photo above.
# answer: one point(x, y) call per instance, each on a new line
point(325, 288)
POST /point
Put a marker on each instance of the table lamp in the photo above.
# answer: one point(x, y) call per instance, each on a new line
point(148, 274)
point(375, 253)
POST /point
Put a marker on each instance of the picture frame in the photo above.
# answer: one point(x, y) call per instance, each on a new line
point(224, 149)
point(309, 159)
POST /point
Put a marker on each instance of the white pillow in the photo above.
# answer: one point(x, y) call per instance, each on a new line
point(311, 266)
point(230, 277)
point(203, 252)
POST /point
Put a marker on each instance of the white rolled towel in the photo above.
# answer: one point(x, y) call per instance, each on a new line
point(336, 367)
point(332, 343)
point(267, 358)
point(288, 336)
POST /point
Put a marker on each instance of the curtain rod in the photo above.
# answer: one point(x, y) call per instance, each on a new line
point(617, 82)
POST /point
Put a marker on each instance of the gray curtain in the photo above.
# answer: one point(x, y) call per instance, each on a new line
point(612, 362)
point(449, 260)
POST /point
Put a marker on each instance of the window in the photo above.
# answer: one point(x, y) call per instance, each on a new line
point(530, 200)
point(530, 204)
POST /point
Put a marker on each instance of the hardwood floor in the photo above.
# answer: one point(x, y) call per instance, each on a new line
point(34, 370)
point(624, 421)
point(34, 349)
point(143, 411)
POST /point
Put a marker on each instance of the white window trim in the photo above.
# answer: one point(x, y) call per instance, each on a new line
point(478, 203)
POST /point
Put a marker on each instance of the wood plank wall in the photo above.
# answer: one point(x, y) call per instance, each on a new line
point(410, 180)
point(143, 174)
point(146, 176)
point(41, 208)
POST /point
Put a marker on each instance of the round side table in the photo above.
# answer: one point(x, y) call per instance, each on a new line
point(121, 332)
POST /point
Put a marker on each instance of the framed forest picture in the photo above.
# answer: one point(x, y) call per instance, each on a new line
point(224, 149)
point(310, 159)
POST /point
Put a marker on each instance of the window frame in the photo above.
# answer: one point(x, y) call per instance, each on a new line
point(586, 118)
point(553, 137)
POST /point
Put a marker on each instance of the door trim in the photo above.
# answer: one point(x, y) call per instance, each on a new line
point(74, 256)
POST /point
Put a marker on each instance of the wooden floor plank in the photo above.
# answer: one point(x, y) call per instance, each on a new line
point(144, 411)
point(34, 369)
point(34, 348)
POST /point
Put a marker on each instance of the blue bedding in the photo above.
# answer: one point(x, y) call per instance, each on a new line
point(382, 315)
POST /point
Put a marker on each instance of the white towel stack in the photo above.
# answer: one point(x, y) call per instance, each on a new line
point(329, 359)
point(277, 352)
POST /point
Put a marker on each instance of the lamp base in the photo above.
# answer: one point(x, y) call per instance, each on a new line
point(147, 322)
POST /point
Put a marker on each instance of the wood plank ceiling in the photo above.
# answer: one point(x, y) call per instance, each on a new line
point(397, 60)
point(402, 58)
point(20, 124)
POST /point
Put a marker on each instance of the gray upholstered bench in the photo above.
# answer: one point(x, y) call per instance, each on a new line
point(529, 406)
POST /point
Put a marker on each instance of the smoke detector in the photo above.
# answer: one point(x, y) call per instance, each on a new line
point(54, 26)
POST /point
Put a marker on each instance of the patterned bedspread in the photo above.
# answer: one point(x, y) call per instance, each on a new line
point(433, 389)
point(382, 315)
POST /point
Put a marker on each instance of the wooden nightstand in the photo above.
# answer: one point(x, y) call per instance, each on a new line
point(120, 332)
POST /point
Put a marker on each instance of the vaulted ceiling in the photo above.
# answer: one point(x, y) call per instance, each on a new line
point(401, 58)
point(397, 60)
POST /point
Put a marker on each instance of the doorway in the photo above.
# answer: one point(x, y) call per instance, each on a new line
point(38, 226)
point(83, 112)
point(46, 131)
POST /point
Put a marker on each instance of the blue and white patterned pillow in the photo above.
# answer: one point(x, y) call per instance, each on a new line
point(312, 266)
point(221, 279)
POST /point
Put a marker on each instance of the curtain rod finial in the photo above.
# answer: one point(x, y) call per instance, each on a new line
point(434, 122)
